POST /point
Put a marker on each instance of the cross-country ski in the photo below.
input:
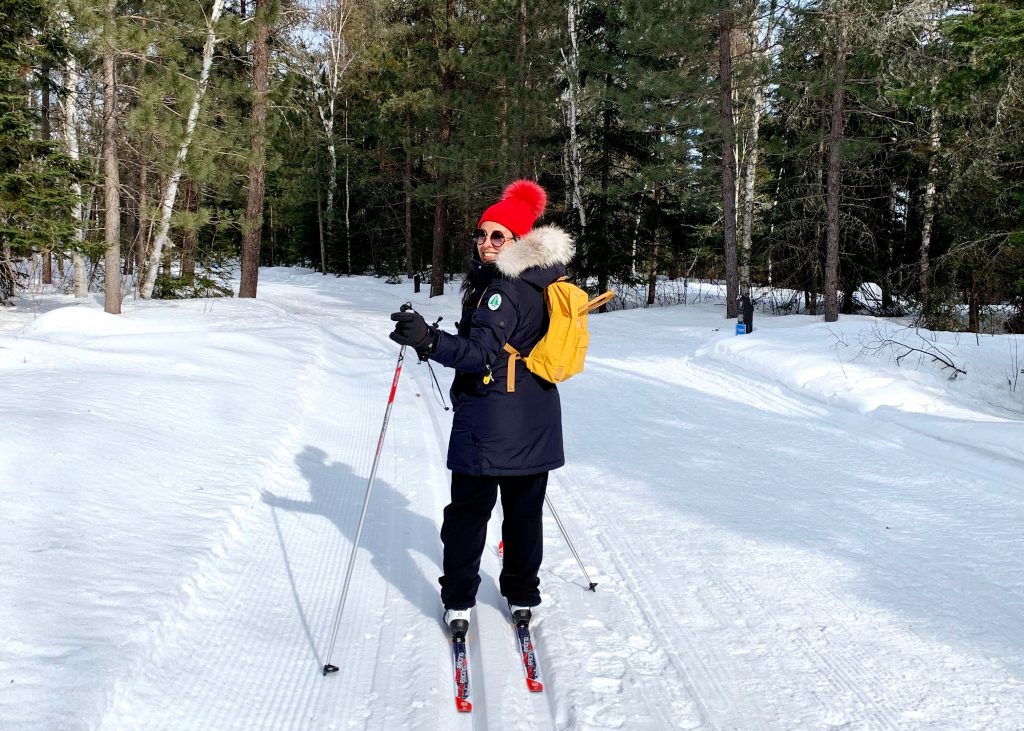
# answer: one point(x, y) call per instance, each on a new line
point(527, 651)
point(460, 662)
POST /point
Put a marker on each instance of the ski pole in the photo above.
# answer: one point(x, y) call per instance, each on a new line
point(328, 668)
point(593, 584)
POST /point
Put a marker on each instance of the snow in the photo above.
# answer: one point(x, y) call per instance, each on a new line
point(789, 529)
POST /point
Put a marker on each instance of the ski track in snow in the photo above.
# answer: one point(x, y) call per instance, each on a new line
point(326, 457)
point(764, 561)
point(391, 630)
point(826, 634)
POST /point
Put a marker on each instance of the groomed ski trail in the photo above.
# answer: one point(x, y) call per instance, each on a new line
point(739, 587)
point(280, 580)
point(279, 575)
point(737, 567)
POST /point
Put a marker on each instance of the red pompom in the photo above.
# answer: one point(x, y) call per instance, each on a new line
point(527, 193)
point(520, 206)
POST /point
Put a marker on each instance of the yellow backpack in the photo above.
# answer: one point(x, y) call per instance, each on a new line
point(559, 355)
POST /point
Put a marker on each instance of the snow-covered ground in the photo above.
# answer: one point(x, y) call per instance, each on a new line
point(790, 530)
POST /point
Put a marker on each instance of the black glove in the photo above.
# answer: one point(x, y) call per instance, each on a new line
point(412, 330)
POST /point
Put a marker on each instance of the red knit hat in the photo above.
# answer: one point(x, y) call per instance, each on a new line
point(521, 204)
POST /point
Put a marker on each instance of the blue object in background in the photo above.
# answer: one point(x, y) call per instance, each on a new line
point(744, 315)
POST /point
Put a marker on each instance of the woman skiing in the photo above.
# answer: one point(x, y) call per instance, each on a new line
point(507, 428)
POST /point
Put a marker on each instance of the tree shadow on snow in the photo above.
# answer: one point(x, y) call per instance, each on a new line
point(391, 533)
point(915, 531)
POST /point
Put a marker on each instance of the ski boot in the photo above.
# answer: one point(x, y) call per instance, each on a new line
point(521, 615)
point(457, 621)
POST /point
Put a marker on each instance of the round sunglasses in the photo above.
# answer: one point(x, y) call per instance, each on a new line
point(497, 237)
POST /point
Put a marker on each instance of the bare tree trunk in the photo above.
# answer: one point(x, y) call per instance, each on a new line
point(331, 18)
point(171, 192)
point(928, 221)
point(348, 198)
point(46, 134)
point(7, 277)
point(575, 165)
point(725, 25)
point(130, 231)
point(749, 192)
point(835, 142)
point(606, 173)
point(522, 163)
point(440, 231)
point(145, 227)
point(253, 228)
point(771, 227)
point(320, 218)
point(332, 186)
point(890, 254)
point(816, 247)
point(273, 233)
point(111, 178)
point(444, 137)
point(652, 277)
point(636, 240)
point(761, 46)
point(190, 236)
point(71, 139)
point(407, 187)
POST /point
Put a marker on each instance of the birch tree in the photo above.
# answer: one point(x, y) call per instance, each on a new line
point(162, 240)
point(760, 33)
point(45, 134)
point(934, 127)
point(327, 59)
point(573, 156)
point(70, 129)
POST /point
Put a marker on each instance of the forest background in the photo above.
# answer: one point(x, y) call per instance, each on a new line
point(802, 149)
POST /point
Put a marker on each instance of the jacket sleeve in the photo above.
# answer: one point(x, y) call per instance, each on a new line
point(492, 324)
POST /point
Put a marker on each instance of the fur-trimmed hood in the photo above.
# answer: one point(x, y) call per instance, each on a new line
point(544, 246)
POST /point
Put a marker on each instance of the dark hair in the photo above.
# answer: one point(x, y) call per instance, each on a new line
point(468, 283)
point(475, 271)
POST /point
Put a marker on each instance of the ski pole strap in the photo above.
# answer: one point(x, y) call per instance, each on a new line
point(440, 394)
point(513, 356)
point(601, 299)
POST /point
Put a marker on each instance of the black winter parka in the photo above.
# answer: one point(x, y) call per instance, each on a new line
point(495, 432)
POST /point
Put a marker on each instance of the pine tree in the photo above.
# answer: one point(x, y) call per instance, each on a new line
point(35, 174)
point(253, 224)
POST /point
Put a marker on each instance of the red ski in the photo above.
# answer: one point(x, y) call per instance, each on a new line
point(529, 658)
point(460, 660)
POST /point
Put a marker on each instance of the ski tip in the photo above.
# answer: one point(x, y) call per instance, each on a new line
point(593, 586)
point(534, 686)
point(462, 705)
point(330, 669)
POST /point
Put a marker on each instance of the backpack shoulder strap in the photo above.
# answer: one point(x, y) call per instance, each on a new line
point(513, 356)
point(601, 299)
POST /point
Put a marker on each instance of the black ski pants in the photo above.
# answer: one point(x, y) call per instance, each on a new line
point(464, 533)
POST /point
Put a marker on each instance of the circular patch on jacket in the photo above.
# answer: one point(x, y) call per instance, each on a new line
point(494, 302)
